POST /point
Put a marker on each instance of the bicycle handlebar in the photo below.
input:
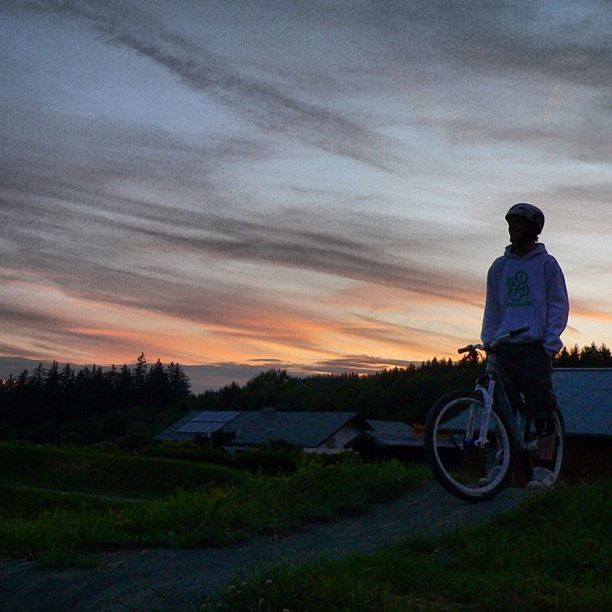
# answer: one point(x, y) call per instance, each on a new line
point(470, 348)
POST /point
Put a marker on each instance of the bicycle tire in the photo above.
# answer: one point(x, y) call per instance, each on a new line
point(457, 464)
point(560, 443)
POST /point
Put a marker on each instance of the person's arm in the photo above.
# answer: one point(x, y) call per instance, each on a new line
point(490, 319)
point(557, 307)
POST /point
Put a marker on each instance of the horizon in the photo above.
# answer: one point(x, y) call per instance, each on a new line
point(237, 184)
point(203, 377)
point(215, 376)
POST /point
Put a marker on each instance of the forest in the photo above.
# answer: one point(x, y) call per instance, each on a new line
point(131, 404)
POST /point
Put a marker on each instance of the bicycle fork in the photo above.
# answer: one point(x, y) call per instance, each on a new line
point(485, 416)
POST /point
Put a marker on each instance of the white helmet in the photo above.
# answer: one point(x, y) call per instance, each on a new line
point(527, 211)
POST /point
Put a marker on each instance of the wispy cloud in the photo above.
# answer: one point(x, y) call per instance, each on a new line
point(256, 100)
point(569, 42)
point(82, 228)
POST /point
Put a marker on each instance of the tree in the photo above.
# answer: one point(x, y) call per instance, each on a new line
point(179, 383)
point(157, 386)
point(125, 388)
point(139, 375)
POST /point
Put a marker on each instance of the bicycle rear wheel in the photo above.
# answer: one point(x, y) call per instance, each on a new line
point(559, 456)
point(467, 470)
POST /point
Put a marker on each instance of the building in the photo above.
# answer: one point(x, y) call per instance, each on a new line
point(316, 432)
point(203, 423)
point(391, 440)
point(584, 396)
point(585, 400)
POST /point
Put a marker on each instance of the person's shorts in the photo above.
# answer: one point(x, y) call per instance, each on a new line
point(528, 367)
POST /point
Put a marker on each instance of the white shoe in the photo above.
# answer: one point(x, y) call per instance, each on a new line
point(541, 479)
point(490, 477)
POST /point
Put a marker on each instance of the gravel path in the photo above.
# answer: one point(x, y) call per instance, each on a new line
point(172, 579)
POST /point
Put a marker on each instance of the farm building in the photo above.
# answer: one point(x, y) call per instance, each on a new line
point(585, 400)
point(204, 423)
point(391, 440)
point(320, 432)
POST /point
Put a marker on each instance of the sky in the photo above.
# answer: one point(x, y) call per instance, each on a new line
point(317, 186)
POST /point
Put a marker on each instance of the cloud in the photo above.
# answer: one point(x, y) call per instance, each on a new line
point(18, 316)
point(216, 375)
point(259, 237)
point(581, 138)
point(62, 217)
point(358, 364)
point(254, 99)
point(569, 43)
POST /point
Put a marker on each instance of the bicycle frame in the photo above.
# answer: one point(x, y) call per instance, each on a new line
point(491, 387)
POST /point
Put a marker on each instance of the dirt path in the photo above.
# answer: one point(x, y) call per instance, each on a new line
point(170, 579)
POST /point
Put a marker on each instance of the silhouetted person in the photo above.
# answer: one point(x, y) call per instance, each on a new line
point(526, 288)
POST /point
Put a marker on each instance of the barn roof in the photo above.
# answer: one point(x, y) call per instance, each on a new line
point(200, 422)
point(391, 433)
point(585, 400)
point(304, 429)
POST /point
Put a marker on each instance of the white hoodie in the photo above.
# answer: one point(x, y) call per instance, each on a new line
point(526, 291)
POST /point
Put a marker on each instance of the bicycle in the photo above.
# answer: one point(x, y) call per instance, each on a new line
point(473, 438)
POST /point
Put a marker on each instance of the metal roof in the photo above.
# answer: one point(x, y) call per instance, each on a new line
point(584, 396)
point(200, 422)
point(585, 400)
point(304, 429)
point(390, 427)
point(391, 433)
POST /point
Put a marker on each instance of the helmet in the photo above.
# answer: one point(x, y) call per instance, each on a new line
point(527, 211)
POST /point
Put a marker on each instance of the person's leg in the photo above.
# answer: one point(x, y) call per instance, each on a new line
point(529, 368)
point(541, 401)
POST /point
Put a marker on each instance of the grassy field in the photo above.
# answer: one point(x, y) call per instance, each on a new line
point(84, 471)
point(551, 554)
point(186, 504)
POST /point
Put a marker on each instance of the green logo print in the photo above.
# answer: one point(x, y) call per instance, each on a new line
point(518, 289)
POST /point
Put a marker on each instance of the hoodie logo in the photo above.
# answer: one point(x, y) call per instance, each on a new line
point(518, 290)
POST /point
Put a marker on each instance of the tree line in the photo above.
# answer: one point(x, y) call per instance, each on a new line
point(92, 405)
point(403, 394)
point(591, 356)
point(396, 394)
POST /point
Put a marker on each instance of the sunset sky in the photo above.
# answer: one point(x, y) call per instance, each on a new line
point(317, 185)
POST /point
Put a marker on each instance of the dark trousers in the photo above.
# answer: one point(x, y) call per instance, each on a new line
point(528, 368)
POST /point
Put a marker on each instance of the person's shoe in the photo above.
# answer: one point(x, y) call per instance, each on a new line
point(490, 477)
point(541, 479)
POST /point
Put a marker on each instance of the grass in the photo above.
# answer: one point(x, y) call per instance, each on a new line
point(29, 503)
point(55, 528)
point(106, 474)
point(551, 554)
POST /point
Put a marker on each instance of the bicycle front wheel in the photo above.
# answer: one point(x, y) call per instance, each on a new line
point(469, 465)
